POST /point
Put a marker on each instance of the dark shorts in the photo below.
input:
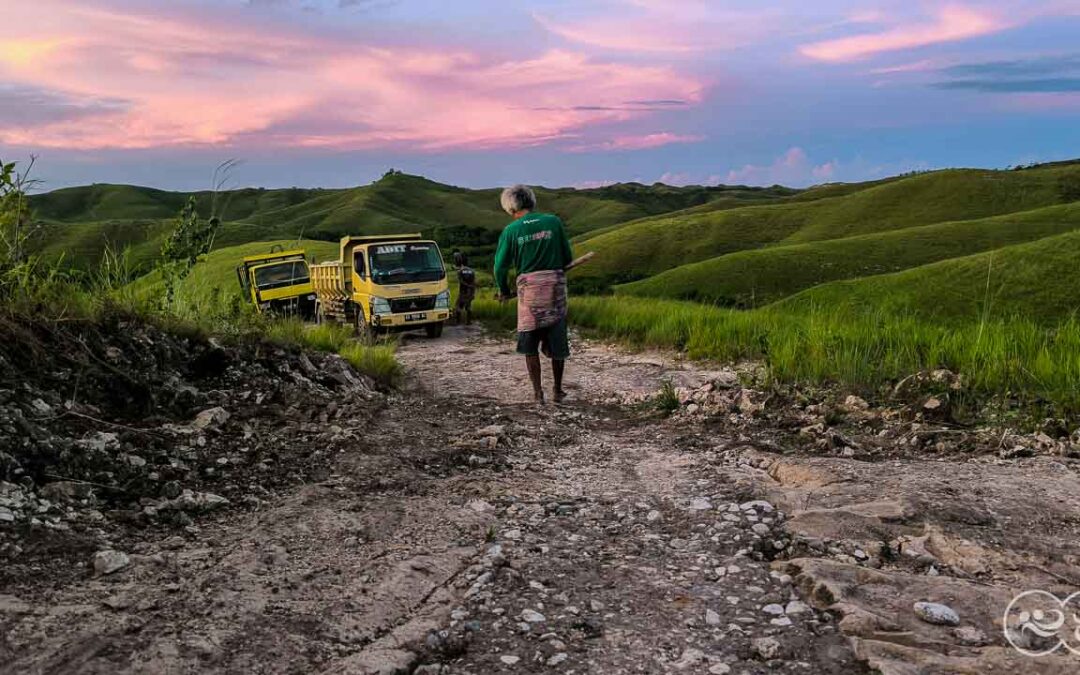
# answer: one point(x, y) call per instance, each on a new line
point(552, 341)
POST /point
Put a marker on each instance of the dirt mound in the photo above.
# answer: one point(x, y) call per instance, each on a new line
point(118, 427)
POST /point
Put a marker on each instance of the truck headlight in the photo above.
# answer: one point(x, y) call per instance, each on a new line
point(442, 300)
point(380, 305)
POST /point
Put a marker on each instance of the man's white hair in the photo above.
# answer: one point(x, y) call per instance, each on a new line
point(518, 198)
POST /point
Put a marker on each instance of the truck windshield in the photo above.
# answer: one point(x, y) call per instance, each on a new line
point(281, 275)
point(406, 263)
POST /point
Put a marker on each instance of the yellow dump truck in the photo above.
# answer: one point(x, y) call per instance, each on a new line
point(384, 283)
point(278, 283)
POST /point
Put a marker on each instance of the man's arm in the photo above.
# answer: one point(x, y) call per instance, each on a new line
point(503, 258)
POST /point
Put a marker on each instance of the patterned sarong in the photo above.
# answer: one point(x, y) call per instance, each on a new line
point(541, 299)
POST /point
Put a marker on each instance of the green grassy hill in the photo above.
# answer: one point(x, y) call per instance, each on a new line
point(761, 276)
point(653, 245)
point(213, 280)
point(1035, 280)
point(80, 222)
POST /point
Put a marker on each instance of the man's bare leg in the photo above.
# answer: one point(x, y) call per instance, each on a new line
point(557, 367)
point(533, 363)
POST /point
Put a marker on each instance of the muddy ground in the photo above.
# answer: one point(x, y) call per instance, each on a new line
point(455, 527)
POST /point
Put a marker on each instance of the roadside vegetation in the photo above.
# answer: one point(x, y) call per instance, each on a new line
point(1014, 362)
point(177, 294)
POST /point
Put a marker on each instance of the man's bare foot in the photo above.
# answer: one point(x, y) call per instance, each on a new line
point(558, 395)
point(538, 396)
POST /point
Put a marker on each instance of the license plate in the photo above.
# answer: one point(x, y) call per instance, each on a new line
point(415, 317)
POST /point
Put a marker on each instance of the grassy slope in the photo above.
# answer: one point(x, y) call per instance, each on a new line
point(212, 282)
point(654, 245)
point(757, 277)
point(82, 221)
point(1036, 280)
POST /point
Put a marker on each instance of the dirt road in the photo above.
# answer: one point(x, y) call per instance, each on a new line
point(467, 530)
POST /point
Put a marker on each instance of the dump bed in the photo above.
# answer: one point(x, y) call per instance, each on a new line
point(329, 281)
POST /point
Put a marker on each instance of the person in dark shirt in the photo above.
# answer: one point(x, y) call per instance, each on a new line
point(466, 288)
point(536, 245)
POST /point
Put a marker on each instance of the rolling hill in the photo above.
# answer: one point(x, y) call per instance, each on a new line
point(1034, 280)
point(753, 278)
point(80, 222)
point(917, 244)
point(654, 245)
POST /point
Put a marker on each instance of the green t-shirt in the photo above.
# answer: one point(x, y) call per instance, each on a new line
point(533, 242)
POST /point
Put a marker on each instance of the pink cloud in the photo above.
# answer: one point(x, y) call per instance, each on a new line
point(640, 142)
point(923, 66)
point(951, 23)
point(665, 26)
point(174, 79)
point(791, 168)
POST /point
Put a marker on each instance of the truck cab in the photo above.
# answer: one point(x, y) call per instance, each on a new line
point(278, 283)
point(385, 283)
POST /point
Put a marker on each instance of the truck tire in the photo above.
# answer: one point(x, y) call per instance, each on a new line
point(364, 331)
point(434, 330)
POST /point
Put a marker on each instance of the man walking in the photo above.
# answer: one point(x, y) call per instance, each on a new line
point(466, 288)
point(535, 244)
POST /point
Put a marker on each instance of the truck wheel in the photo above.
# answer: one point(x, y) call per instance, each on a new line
point(434, 330)
point(364, 331)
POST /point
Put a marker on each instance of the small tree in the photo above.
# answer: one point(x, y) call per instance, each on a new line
point(192, 237)
point(17, 228)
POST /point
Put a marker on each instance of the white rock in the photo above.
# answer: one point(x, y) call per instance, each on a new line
point(796, 607)
point(107, 562)
point(509, 659)
point(210, 417)
point(760, 528)
point(712, 618)
point(781, 621)
point(512, 534)
point(936, 613)
point(766, 647)
point(480, 506)
point(855, 403)
point(757, 505)
point(558, 658)
point(690, 657)
point(495, 430)
point(970, 635)
point(700, 504)
point(532, 616)
point(719, 669)
point(773, 609)
point(653, 516)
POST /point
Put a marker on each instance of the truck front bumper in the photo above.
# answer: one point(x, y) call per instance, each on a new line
point(411, 320)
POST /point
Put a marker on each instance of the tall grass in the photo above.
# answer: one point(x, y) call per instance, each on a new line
point(45, 292)
point(1014, 358)
point(378, 361)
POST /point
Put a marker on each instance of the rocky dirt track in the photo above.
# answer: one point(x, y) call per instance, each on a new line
point(458, 528)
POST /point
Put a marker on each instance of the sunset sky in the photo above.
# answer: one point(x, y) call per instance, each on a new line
point(556, 92)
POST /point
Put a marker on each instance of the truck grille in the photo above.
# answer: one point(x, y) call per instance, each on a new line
point(404, 305)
